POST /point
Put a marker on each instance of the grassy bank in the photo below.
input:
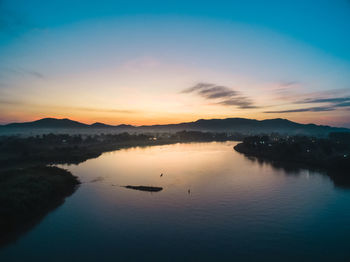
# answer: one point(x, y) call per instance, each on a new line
point(28, 194)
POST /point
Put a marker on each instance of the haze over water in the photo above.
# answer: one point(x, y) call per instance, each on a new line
point(216, 205)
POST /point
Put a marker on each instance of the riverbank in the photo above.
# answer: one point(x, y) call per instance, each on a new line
point(329, 155)
point(28, 194)
point(74, 149)
point(30, 187)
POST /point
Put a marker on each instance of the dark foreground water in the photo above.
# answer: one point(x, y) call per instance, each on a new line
point(216, 205)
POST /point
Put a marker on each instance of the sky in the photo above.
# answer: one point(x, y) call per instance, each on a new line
point(159, 62)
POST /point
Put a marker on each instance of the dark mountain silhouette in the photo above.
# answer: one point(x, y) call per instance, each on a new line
point(48, 123)
point(249, 126)
point(126, 126)
point(100, 125)
point(241, 125)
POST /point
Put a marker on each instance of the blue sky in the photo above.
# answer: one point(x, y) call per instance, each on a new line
point(130, 61)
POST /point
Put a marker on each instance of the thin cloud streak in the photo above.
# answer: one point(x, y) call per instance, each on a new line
point(325, 100)
point(217, 92)
point(334, 103)
point(228, 96)
point(345, 104)
point(242, 102)
point(311, 109)
point(289, 83)
point(23, 72)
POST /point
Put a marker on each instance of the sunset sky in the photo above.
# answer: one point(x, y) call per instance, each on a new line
point(147, 62)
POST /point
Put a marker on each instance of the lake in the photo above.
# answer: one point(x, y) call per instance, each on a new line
point(216, 205)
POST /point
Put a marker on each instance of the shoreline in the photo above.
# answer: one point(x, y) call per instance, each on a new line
point(335, 169)
point(58, 152)
point(27, 195)
point(31, 186)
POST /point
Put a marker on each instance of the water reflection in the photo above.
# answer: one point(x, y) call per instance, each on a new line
point(340, 179)
point(216, 205)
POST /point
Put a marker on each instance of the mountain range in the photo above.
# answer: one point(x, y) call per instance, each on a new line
point(241, 125)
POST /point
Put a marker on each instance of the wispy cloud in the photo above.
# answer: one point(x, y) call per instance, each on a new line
point(288, 83)
point(345, 104)
point(35, 74)
point(22, 71)
point(310, 109)
point(333, 103)
point(241, 102)
point(221, 94)
point(324, 100)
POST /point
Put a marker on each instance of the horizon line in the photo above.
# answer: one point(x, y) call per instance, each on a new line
point(111, 125)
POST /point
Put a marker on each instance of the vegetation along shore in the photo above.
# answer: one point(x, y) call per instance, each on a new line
point(30, 187)
point(331, 154)
point(28, 194)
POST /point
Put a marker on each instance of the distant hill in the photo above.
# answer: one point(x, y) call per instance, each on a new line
point(48, 123)
point(100, 125)
point(249, 126)
point(241, 125)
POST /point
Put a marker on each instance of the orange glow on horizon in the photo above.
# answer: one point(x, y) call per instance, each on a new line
point(169, 118)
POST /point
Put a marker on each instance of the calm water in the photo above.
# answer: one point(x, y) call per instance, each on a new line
point(237, 210)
